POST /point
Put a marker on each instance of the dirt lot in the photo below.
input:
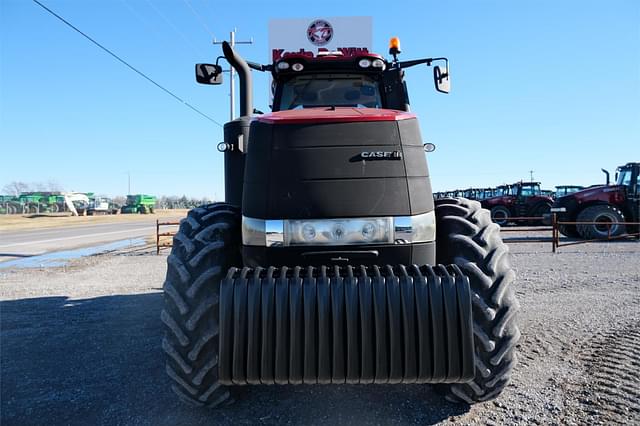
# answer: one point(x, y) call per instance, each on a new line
point(81, 345)
point(16, 222)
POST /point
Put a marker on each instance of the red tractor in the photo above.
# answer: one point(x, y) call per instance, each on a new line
point(330, 261)
point(608, 205)
point(522, 199)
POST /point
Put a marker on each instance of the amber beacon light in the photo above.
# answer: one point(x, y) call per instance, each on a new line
point(394, 46)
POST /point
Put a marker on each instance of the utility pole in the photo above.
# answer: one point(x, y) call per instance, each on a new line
point(129, 179)
point(232, 87)
point(531, 175)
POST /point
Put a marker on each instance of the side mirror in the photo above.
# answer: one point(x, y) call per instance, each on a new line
point(208, 74)
point(441, 79)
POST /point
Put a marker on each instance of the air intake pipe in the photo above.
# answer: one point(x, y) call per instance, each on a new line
point(244, 72)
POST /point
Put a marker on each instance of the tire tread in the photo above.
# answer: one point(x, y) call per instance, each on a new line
point(206, 244)
point(467, 237)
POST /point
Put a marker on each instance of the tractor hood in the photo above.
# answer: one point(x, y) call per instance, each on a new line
point(603, 194)
point(335, 163)
point(333, 115)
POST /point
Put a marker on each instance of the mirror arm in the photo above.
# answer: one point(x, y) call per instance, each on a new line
point(428, 61)
point(259, 67)
point(407, 64)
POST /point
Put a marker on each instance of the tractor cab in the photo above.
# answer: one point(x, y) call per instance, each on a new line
point(628, 178)
point(333, 79)
point(528, 189)
point(562, 190)
point(330, 81)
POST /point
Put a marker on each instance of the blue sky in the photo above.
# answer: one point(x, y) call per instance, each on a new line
point(549, 86)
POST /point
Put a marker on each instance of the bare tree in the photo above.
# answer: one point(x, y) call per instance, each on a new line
point(39, 186)
point(54, 186)
point(120, 200)
point(15, 188)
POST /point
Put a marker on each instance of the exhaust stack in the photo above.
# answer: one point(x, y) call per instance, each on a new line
point(244, 72)
point(606, 173)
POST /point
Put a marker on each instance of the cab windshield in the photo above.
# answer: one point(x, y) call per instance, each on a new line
point(624, 177)
point(316, 90)
point(502, 191)
point(530, 190)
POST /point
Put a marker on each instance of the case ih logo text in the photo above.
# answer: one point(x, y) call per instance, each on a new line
point(380, 155)
point(320, 32)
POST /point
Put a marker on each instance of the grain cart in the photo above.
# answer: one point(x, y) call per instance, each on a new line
point(329, 261)
point(9, 204)
point(604, 205)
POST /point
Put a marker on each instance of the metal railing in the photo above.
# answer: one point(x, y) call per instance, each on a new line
point(609, 225)
point(554, 239)
point(164, 234)
point(532, 228)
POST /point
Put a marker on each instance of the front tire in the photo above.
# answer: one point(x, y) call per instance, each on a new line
point(204, 248)
point(608, 216)
point(467, 237)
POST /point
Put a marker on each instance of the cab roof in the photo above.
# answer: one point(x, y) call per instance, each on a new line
point(333, 115)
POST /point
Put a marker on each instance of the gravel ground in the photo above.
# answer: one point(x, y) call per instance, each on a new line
point(81, 345)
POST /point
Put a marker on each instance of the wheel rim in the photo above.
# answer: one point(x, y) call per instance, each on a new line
point(499, 216)
point(606, 223)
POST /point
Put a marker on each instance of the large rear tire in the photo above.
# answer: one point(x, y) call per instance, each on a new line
point(467, 237)
point(500, 215)
point(607, 215)
point(204, 248)
point(539, 211)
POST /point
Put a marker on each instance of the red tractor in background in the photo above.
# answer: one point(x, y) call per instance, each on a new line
point(608, 205)
point(522, 199)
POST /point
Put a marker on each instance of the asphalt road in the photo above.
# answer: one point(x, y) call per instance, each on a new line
point(25, 243)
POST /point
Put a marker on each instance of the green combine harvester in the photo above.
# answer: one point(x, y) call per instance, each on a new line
point(139, 203)
point(41, 202)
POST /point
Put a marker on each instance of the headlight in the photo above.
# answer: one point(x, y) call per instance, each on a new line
point(283, 65)
point(378, 63)
point(364, 63)
point(297, 67)
point(337, 232)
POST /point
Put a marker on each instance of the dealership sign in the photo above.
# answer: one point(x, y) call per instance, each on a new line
point(350, 35)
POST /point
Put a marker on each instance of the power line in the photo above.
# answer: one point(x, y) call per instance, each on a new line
point(145, 23)
point(143, 75)
point(198, 17)
point(175, 29)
